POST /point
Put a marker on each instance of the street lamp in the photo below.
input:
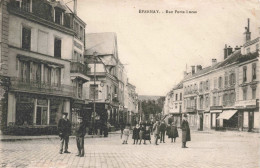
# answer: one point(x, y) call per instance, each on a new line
point(94, 102)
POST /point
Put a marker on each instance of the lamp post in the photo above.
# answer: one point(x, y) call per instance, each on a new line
point(94, 102)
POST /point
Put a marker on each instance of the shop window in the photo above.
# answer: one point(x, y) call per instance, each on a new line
point(56, 109)
point(57, 48)
point(24, 110)
point(244, 74)
point(26, 38)
point(254, 71)
point(42, 112)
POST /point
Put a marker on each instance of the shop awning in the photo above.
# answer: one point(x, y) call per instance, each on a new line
point(227, 114)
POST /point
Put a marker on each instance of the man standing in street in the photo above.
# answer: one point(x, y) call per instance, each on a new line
point(64, 129)
point(162, 131)
point(80, 133)
point(156, 129)
point(185, 131)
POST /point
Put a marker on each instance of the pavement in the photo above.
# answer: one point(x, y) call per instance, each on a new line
point(206, 150)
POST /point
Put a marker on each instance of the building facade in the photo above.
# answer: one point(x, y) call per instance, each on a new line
point(39, 42)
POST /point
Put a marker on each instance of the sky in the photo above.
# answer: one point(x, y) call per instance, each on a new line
point(156, 48)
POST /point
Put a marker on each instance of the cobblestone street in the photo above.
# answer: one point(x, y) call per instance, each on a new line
point(217, 149)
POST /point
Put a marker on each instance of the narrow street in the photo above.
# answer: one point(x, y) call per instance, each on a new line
point(206, 150)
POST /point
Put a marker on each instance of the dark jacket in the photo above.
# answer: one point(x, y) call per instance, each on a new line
point(136, 133)
point(185, 131)
point(162, 127)
point(80, 130)
point(147, 135)
point(173, 132)
point(64, 127)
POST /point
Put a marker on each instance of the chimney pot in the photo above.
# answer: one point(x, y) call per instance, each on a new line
point(192, 69)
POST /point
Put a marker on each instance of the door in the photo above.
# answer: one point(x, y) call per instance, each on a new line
point(201, 122)
point(250, 121)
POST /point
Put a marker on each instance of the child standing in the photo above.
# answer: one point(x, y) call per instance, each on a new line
point(136, 131)
point(126, 133)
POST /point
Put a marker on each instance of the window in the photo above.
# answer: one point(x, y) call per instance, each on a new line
point(245, 93)
point(253, 93)
point(207, 102)
point(25, 71)
point(176, 97)
point(93, 92)
point(80, 90)
point(26, 38)
point(201, 86)
point(232, 80)
point(244, 73)
point(207, 85)
point(81, 33)
point(220, 82)
point(201, 102)
point(248, 50)
point(176, 105)
point(36, 73)
point(47, 75)
point(254, 71)
point(232, 99)
point(57, 48)
point(56, 77)
point(180, 96)
point(214, 101)
point(215, 83)
point(226, 81)
point(257, 47)
point(195, 87)
point(26, 5)
point(58, 16)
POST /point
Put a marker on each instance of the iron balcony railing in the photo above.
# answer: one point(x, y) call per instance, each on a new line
point(32, 86)
point(77, 67)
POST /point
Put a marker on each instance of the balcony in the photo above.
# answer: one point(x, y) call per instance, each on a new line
point(242, 104)
point(77, 67)
point(17, 84)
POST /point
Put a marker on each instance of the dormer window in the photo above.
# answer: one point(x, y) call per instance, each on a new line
point(58, 16)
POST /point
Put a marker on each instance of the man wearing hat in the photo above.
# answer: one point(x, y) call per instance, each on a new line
point(64, 129)
point(185, 131)
point(80, 133)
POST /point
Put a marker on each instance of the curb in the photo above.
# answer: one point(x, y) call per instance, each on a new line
point(24, 138)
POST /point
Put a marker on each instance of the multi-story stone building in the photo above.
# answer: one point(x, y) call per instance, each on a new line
point(132, 107)
point(38, 46)
point(224, 95)
point(110, 84)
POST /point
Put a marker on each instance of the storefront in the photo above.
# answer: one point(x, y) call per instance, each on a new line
point(230, 119)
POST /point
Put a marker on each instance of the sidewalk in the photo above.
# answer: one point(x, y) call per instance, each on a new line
point(23, 138)
point(229, 133)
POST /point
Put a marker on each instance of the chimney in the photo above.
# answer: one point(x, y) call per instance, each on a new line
point(229, 50)
point(214, 61)
point(247, 31)
point(192, 69)
point(75, 7)
point(184, 73)
point(199, 67)
point(237, 48)
point(225, 52)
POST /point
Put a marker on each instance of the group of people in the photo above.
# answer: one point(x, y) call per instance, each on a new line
point(143, 132)
point(64, 129)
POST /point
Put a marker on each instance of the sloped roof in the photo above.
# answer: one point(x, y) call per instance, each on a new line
point(102, 43)
point(233, 58)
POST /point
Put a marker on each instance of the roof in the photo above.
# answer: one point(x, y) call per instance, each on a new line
point(233, 58)
point(102, 43)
